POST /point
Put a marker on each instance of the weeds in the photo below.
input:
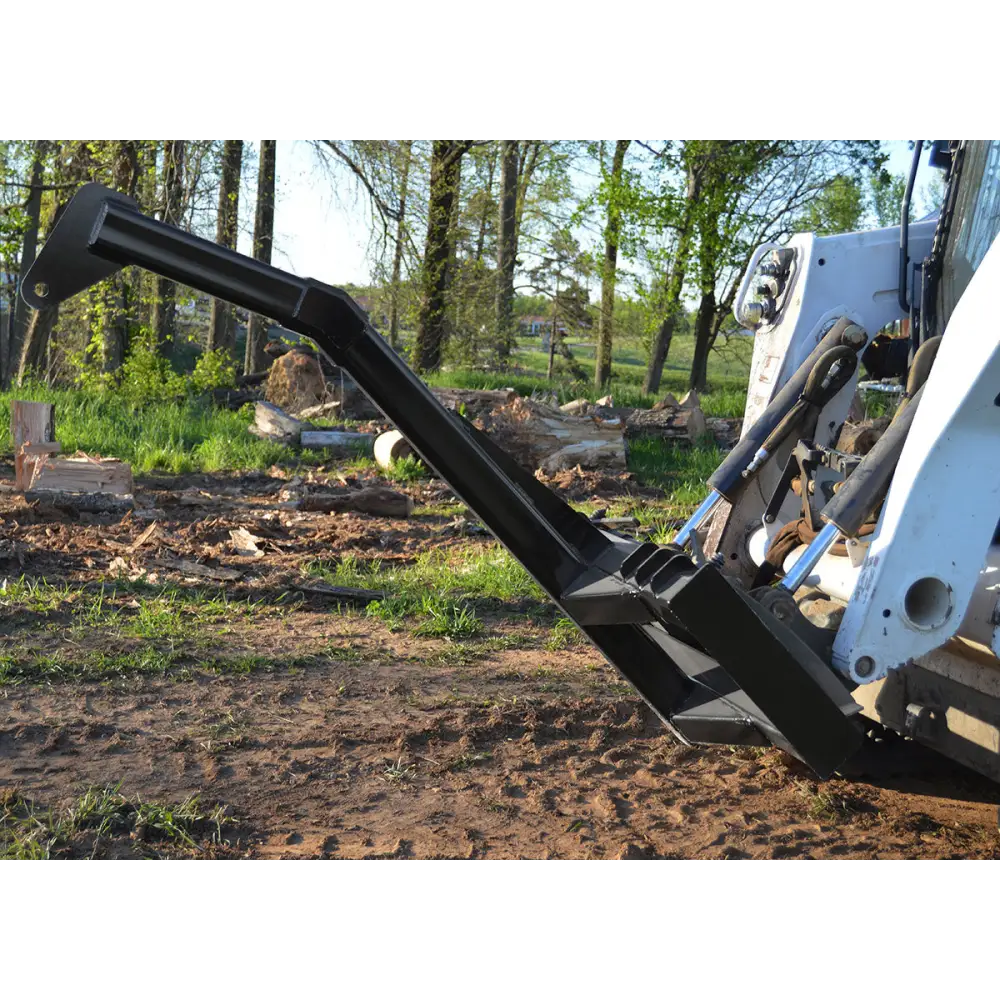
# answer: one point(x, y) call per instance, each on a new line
point(399, 773)
point(27, 833)
point(564, 634)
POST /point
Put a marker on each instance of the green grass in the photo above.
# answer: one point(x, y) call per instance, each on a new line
point(728, 374)
point(120, 630)
point(175, 438)
point(444, 592)
point(29, 833)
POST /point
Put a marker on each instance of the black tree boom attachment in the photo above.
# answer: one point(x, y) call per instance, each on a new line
point(711, 662)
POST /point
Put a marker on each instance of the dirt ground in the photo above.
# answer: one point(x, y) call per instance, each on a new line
point(385, 744)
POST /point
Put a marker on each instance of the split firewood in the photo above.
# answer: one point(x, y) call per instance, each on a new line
point(390, 447)
point(82, 474)
point(377, 500)
point(318, 412)
point(669, 402)
point(575, 407)
point(31, 424)
point(690, 401)
point(271, 423)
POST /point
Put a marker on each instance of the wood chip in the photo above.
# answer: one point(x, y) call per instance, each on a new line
point(145, 536)
point(245, 544)
point(198, 569)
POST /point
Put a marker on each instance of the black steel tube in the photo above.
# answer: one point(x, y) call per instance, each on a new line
point(728, 477)
point(868, 485)
point(128, 237)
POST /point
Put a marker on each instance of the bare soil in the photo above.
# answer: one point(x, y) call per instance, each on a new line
point(393, 746)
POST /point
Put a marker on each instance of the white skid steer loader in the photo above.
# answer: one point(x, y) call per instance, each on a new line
point(818, 591)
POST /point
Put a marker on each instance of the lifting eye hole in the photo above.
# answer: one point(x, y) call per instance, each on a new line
point(821, 261)
point(41, 290)
point(886, 612)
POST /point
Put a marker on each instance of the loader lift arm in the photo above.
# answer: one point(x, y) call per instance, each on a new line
point(708, 659)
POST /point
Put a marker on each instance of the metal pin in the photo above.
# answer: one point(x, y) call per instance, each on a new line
point(818, 548)
point(696, 520)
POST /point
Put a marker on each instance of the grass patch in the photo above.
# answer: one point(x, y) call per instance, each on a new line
point(177, 437)
point(444, 591)
point(565, 633)
point(100, 814)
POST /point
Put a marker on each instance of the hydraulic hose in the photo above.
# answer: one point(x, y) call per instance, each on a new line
point(868, 485)
point(728, 480)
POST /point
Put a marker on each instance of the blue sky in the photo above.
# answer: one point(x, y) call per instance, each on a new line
point(323, 233)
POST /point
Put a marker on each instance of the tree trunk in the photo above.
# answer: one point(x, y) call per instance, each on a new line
point(675, 286)
point(487, 196)
point(263, 237)
point(222, 325)
point(553, 334)
point(36, 342)
point(164, 319)
point(114, 316)
point(397, 257)
point(446, 160)
point(29, 247)
point(706, 325)
point(704, 328)
point(602, 369)
point(506, 247)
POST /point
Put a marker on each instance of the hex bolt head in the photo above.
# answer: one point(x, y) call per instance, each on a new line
point(855, 336)
point(864, 666)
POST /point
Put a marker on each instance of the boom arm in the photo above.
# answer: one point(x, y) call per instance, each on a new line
point(653, 613)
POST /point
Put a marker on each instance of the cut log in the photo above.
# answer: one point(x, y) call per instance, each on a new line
point(390, 447)
point(860, 438)
point(605, 401)
point(336, 439)
point(474, 403)
point(725, 430)
point(575, 407)
point(540, 437)
point(82, 503)
point(680, 424)
point(377, 500)
point(82, 474)
point(272, 424)
point(30, 424)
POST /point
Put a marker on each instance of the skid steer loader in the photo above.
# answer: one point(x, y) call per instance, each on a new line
point(814, 593)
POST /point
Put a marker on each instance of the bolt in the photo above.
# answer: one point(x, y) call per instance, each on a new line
point(769, 519)
point(864, 666)
point(752, 315)
point(854, 336)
